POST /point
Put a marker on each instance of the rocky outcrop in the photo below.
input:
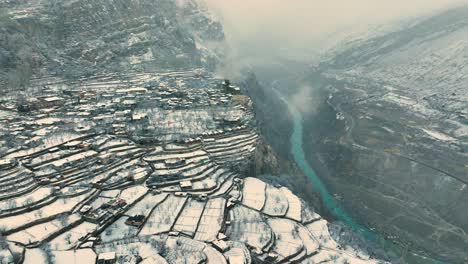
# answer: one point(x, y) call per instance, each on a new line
point(265, 160)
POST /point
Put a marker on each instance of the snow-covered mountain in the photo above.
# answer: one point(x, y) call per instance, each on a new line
point(73, 38)
point(401, 103)
point(432, 54)
point(427, 61)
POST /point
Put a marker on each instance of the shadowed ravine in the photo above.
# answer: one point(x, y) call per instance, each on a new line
point(300, 159)
point(296, 141)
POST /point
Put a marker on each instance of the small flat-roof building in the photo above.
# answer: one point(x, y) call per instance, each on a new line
point(220, 245)
point(52, 101)
point(85, 209)
point(185, 185)
point(136, 220)
point(107, 258)
point(232, 89)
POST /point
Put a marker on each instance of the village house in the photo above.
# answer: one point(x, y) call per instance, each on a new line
point(107, 258)
point(185, 185)
point(97, 216)
point(136, 220)
point(220, 245)
point(51, 101)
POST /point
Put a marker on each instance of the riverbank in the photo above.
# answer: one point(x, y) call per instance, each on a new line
point(339, 159)
point(333, 158)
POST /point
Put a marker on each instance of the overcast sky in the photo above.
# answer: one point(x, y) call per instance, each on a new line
point(272, 26)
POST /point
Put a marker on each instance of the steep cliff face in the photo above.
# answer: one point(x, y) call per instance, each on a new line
point(272, 116)
point(265, 160)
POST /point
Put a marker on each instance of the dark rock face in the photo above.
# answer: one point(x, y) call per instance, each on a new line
point(272, 116)
point(274, 162)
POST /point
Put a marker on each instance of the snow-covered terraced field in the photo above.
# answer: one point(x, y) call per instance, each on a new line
point(164, 215)
point(233, 147)
point(146, 171)
point(187, 222)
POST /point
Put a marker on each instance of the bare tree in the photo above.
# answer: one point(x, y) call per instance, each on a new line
point(50, 258)
point(63, 219)
point(68, 238)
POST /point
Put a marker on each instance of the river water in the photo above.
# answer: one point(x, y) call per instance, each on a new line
point(327, 198)
point(329, 201)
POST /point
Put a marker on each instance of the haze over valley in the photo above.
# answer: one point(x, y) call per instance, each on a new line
point(214, 131)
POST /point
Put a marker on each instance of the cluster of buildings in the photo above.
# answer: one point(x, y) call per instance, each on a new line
point(105, 212)
point(143, 168)
point(166, 105)
point(79, 144)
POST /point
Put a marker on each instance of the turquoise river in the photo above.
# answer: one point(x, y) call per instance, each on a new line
point(329, 201)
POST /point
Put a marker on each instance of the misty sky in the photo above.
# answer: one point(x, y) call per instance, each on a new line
point(260, 27)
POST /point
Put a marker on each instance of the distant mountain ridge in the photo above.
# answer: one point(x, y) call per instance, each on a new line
point(428, 62)
point(432, 54)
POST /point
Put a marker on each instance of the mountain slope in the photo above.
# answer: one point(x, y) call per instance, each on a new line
point(427, 59)
point(397, 151)
point(73, 38)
